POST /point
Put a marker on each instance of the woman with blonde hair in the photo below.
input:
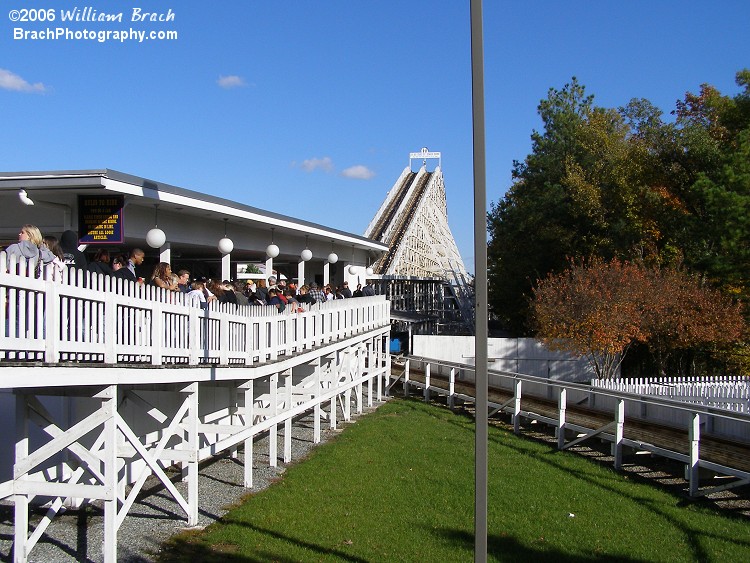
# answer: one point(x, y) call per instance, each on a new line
point(30, 247)
point(31, 233)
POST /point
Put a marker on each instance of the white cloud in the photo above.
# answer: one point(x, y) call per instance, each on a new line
point(358, 172)
point(11, 81)
point(311, 164)
point(231, 81)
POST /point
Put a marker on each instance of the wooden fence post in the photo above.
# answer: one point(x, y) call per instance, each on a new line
point(562, 405)
point(695, 439)
point(619, 431)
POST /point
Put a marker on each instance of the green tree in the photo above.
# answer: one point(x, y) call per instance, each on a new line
point(577, 194)
point(626, 184)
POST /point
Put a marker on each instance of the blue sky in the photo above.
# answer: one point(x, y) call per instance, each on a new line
point(311, 108)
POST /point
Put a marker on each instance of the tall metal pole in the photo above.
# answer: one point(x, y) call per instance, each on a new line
point(480, 284)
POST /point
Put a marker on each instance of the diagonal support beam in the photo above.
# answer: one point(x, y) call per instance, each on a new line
point(153, 464)
point(596, 432)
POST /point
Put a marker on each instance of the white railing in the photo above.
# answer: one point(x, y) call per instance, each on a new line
point(87, 317)
point(725, 392)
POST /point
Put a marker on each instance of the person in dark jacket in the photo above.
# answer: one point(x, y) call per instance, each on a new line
point(128, 272)
point(304, 296)
point(345, 291)
point(368, 290)
point(100, 264)
point(74, 258)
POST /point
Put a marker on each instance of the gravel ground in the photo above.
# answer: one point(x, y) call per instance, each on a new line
point(77, 535)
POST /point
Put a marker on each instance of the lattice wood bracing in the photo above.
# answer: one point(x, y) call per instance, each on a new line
point(413, 221)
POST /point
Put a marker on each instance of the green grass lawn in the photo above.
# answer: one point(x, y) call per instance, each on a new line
point(398, 485)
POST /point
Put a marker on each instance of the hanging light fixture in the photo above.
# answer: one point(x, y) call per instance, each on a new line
point(332, 257)
point(226, 245)
point(369, 271)
point(306, 254)
point(156, 238)
point(272, 251)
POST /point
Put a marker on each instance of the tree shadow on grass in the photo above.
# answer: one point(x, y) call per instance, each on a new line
point(189, 547)
point(551, 457)
point(692, 535)
point(508, 548)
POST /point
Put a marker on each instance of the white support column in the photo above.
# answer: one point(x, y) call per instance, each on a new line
point(347, 406)
point(21, 511)
point(561, 406)
point(387, 364)
point(695, 443)
point(360, 372)
point(226, 267)
point(269, 267)
point(109, 408)
point(326, 273)
point(301, 273)
point(427, 383)
point(517, 407)
point(52, 321)
point(407, 365)
point(370, 371)
point(316, 408)
point(452, 389)
point(234, 419)
point(194, 445)
point(273, 432)
point(165, 253)
point(249, 416)
point(334, 386)
point(288, 420)
point(619, 432)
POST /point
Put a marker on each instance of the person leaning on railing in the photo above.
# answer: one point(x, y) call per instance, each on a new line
point(118, 263)
point(58, 267)
point(30, 246)
point(100, 264)
point(162, 277)
point(199, 295)
point(305, 296)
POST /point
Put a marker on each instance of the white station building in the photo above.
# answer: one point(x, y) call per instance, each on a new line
point(207, 235)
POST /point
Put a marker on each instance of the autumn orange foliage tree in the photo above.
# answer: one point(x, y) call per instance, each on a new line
point(682, 313)
point(599, 309)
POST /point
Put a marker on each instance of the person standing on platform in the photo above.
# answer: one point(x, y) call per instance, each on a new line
point(345, 291)
point(317, 293)
point(74, 258)
point(183, 281)
point(162, 277)
point(100, 264)
point(128, 272)
point(368, 290)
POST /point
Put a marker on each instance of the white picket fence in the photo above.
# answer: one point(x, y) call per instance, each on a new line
point(95, 318)
point(725, 392)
